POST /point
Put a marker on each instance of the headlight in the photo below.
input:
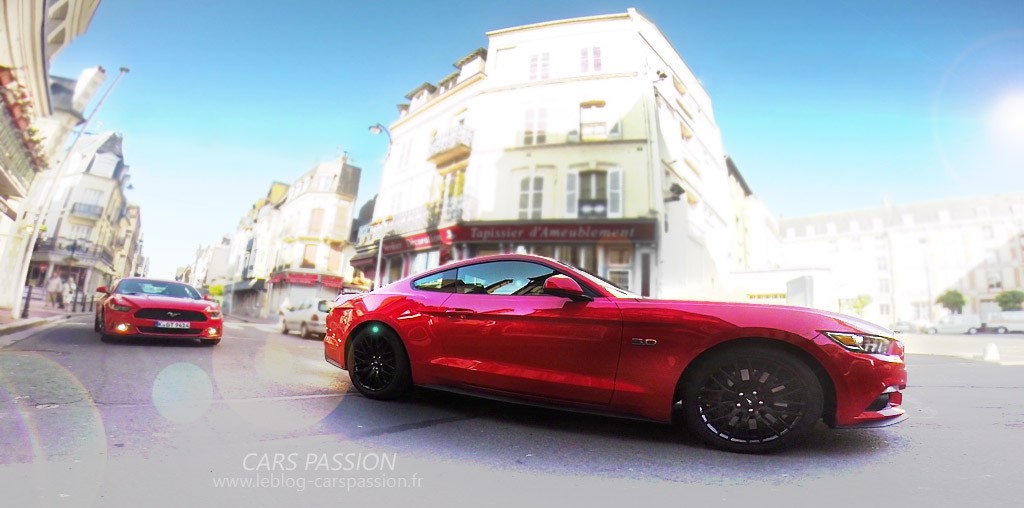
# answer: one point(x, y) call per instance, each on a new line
point(120, 307)
point(214, 312)
point(861, 343)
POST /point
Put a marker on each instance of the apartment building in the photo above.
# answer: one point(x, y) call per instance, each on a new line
point(902, 257)
point(88, 221)
point(294, 244)
point(589, 140)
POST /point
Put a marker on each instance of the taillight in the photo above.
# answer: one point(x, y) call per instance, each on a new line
point(314, 317)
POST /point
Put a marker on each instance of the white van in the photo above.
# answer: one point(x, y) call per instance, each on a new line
point(1006, 321)
point(957, 323)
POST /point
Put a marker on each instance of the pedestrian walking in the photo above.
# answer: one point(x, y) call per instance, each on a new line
point(70, 288)
point(54, 288)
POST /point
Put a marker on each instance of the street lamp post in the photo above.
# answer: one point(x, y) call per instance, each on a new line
point(26, 258)
point(377, 129)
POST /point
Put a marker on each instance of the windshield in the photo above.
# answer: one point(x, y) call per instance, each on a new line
point(157, 288)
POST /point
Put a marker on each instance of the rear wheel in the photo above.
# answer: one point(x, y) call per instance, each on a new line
point(1001, 329)
point(751, 400)
point(932, 331)
point(304, 331)
point(972, 331)
point(378, 364)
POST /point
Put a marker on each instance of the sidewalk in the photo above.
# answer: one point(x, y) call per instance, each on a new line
point(38, 315)
point(258, 320)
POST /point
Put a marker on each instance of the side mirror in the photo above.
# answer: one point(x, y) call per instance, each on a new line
point(566, 287)
point(102, 289)
point(208, 298)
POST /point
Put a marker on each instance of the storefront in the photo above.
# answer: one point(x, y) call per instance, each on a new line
point(621, 251)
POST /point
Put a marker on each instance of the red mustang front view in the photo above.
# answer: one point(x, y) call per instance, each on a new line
point(157, 309)
point(747, 378)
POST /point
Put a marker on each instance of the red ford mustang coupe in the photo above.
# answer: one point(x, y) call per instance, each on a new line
point(157, 309)
point(742, 377)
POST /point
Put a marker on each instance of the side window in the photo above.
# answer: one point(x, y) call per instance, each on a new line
point(504, 278)
point(443, 282)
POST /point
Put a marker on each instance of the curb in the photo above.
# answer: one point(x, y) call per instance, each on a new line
point(25, 324)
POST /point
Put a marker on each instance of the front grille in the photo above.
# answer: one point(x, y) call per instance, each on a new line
point(170, 315)
point(169, 331)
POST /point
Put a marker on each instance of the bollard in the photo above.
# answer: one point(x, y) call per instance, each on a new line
point(28, 299)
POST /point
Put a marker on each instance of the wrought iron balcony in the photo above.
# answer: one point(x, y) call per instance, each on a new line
point(79, 252)
point(87, 210)
point(433, 214)
point(451, 146)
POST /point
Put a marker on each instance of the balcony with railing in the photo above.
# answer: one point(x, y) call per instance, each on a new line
point(86, 210)
point(451, 146)
point(433, 214)
point(77, 252)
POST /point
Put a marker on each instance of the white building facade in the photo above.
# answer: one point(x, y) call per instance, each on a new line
point(902, 257)
point(588, 140)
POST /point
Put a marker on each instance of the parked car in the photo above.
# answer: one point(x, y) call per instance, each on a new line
point(151, 308)
point(957, 323)
point(1006, 321)
point(308, 318)
point(741, 377)
point(905, 327)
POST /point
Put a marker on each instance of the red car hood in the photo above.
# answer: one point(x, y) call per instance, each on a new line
point(166, 302)
point(783, 316)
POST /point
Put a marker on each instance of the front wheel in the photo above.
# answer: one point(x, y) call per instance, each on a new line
point(1001, 330)
point(932, 331)
point(378, 364)
point(751, 400)
point(972, 331)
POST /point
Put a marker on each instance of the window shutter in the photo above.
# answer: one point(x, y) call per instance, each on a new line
point(615, 193)
point(571, 183)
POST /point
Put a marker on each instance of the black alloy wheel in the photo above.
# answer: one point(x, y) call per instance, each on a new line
point(752, 400)
point(378, 364)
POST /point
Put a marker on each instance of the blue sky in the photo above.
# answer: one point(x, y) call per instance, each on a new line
point(824, 106)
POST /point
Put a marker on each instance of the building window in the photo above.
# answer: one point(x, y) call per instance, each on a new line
point(594, 194)
point(531, 193)
point(987, 233)
point(334, 259)
point(316, 221)
point(590, 59)
point(594, 123)
point(922, 311)
point(883, 309)
point(539, 65)
point(535, 131)
point(995, 280)
point(80, 232)
point(92, 196)
point(452, 186)
point(619, 278)
point(309, 256)
point(883, 286)
point(883, 263)
point(619, 256)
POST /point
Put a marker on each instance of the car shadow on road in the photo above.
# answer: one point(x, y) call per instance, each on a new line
point(533, 426)
point(154, 342)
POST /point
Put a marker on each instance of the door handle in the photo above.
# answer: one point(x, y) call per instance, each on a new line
point(456, 313)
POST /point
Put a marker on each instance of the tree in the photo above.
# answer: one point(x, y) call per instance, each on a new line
point(952, 300)
point(860, 303)
point(216, 290)
point(1010, 300)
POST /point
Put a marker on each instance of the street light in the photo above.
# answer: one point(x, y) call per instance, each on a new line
point(380, 248)
point(377, 129)
point(50, 194)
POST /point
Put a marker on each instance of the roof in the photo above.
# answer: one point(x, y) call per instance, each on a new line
point(479, 52)
point(425, 86)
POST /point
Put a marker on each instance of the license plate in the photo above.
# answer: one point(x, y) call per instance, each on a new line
point(172, 324)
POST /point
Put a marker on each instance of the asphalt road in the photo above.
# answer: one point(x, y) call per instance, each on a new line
point(262, 420)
